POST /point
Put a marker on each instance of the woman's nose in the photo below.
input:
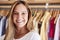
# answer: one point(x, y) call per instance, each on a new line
point(19, 16)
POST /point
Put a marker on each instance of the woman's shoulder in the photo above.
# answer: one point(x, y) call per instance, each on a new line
point(34, 32)
point(35, 35)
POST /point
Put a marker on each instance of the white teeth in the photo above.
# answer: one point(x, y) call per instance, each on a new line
point(19, 21)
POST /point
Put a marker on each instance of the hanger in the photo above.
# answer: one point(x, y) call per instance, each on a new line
point(39, 15)
point(57, 15)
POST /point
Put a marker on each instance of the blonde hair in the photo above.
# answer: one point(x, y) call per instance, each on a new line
point(10, 29)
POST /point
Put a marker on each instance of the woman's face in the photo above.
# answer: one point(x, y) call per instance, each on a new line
point(20, 16)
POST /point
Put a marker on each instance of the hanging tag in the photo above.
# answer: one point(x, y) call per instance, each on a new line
point(46, 5)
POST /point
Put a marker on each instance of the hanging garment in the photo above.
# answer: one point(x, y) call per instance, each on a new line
point(36, 20)
point(56, 36)
point(52, 29)
point(44, 27)
point(3, 25)
point(1, 17)
point(35, 24)
point(0, 25)
point(48, 26)
point(59, 30)
point(39, 26)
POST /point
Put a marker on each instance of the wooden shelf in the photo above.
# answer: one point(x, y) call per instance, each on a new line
point(6, 2)
point(5, 7)
point(29, 2)
point(43, 6)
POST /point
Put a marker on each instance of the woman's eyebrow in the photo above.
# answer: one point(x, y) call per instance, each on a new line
point(14, 11)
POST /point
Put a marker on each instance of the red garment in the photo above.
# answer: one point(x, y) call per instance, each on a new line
point(52, 28)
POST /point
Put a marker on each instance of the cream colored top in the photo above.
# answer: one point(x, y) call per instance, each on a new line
point(32, 35)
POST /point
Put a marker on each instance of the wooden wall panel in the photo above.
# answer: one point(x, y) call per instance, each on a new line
point(44, 1)
point(38, 1)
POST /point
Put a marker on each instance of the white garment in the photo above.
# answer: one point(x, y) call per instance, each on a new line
point(33, 35)
point(56, 36)
point(2, 37)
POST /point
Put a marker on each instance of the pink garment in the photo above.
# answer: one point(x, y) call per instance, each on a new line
point(57, 28)
point(52, 28)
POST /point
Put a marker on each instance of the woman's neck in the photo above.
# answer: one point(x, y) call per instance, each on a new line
point(20, 32)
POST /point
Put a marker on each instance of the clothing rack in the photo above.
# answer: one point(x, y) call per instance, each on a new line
point(6, 5)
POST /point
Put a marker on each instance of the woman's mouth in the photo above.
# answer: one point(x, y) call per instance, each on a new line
point(19, 21)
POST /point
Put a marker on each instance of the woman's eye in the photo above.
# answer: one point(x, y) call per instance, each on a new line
point(23, 13)
point(15, 13)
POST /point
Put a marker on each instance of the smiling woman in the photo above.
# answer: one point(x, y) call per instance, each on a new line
point(19, 27)
point(20, 16)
